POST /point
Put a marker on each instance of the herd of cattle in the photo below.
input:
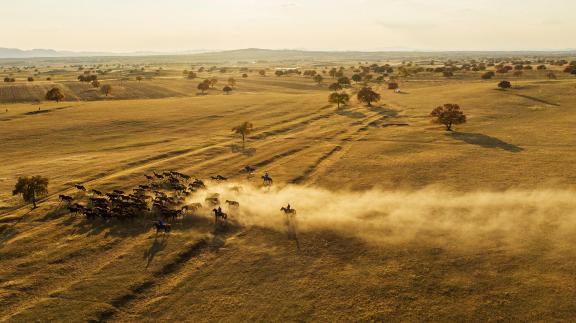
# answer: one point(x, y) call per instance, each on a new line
point(164, 196)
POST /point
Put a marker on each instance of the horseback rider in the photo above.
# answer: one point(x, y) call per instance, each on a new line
point(219, 211)
point(288, 207)
point(161, 223)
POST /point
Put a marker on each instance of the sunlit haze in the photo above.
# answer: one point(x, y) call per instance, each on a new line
point(174, 25)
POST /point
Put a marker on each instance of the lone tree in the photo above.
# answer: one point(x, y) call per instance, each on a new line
point(106, 89)
point(504, 85)
point(368, 96)
point(318, 79)
point(448, 115)
point(339, 98)
point(232, 82)
point(227, 89)
point(204, 86)
point(31, 188)
point(335, 87)
point(54, 94)
point(244, 130)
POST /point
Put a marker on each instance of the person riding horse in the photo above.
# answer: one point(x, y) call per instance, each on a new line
point(161, 225)
point(218, 213)
point(267, 179)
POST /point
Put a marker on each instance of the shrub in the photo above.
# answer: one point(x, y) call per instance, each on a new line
point(504, 85)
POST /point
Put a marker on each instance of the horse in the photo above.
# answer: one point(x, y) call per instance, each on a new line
point(248, 169)
point(148, 177)
point(97, 192)
point(288, 210)
point(65, 198)
point(267, 180)
point(191, 208)
point(219, 214)
point(80, 187)
point(219, 178)
point(76, 208)
point(159, 225)
point(232, 203)
point(212, 200)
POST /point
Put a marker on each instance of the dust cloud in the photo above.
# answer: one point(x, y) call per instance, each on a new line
point(431, 215)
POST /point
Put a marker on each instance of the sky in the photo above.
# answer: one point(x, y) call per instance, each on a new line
point(178, 25)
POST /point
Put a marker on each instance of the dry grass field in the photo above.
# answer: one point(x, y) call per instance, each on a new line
point(397, 218)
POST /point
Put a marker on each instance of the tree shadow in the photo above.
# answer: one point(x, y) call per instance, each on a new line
point(244, 151)
point(351, 114)
point(384, 111)
point(484, 141)
point(157, 246)
point(537, 100)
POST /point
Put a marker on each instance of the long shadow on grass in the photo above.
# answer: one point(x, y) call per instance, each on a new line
point(351, 114)
point(158, 245)
point(484, 141)
point(387, 112)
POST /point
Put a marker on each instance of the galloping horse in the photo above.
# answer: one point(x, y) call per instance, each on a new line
point(160, 225)
point(219, 214)
point(288, 210)
point(267, 179)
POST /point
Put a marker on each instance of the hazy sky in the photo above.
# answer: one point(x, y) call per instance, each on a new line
point(166, 25)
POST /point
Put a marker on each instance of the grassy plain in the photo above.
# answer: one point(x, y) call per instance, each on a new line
point(520, 142)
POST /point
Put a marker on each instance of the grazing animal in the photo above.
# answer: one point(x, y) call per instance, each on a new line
point(118, 192)
point(267, 179)
point(159, 176)
point(161, 225)
point(232, 203)
point(219, 178)
point(97, 192)
point(80, 187)
point(150, 178)
point(65, 198)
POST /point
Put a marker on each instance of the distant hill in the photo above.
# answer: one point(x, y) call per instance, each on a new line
point(273, 55)
point(50, 53)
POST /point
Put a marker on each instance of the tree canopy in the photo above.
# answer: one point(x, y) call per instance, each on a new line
point(31, 188)
point(244, 130)
point(367, 95)
point(339, 98)
point(54, 94)
point(448, 115)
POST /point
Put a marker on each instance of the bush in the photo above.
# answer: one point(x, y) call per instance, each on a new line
point(392, 86)
point(488, 75)
point(504, 85)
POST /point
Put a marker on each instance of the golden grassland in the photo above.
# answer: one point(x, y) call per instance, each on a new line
point(59, 267)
